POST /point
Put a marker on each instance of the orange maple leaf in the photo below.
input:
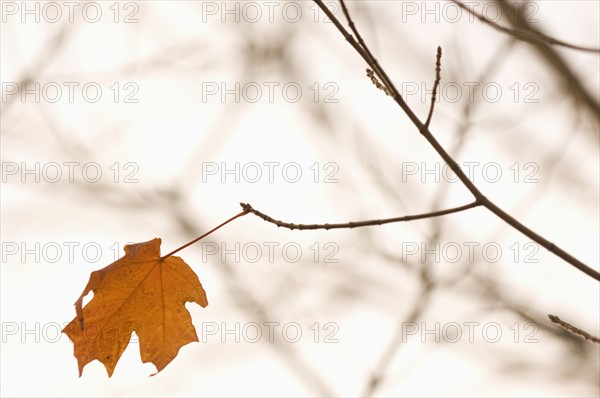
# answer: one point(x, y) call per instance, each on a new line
point(141, 292)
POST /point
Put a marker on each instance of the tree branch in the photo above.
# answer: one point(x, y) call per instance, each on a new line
point(424, 130)
point(355, 224)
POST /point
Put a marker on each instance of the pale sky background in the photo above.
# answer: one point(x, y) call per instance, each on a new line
point(163, 142)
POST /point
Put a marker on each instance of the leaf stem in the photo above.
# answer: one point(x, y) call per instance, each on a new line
point(243, 213)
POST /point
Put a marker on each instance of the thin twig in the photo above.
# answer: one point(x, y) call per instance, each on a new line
point(573, 329)
point(438, 77)
point(424, 130)
point(355, 224)
point(525, 35)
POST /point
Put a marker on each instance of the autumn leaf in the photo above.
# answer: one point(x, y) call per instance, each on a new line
point(139, 292)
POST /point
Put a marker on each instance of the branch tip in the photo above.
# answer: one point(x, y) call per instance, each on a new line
point(246, 207)
point(573, 329)
point(436, 83)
